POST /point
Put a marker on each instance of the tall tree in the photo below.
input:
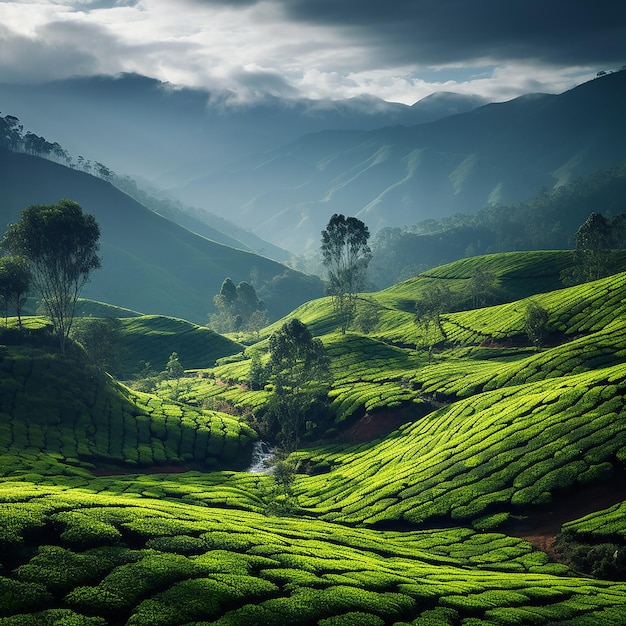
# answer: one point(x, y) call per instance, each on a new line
point(346, 255)
point(61, 244)
point(300, 372)
point(15, 279)
point(436, 298)
point(594, 241)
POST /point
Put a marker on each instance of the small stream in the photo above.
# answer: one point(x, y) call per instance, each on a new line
point(262, 454)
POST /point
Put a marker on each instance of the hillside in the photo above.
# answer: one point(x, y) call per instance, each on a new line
point(149, 264)
point(152, 339)
point(61, 415)
point(397, 175)
point(424, 501)
point(548, 221)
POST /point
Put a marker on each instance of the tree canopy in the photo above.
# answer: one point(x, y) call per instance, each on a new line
point(238, 308)
point(346, 255)
point(60, 243)
point(300, 371)
point(15, 279)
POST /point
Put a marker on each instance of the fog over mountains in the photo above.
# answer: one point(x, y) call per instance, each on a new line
point(281, 168)
point(147, 129)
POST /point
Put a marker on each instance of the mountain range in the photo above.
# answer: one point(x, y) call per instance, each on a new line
point(261, 182)
point(281, 168)
point(492, 155)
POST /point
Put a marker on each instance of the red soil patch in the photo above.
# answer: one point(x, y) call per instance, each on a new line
point(541, 526)
point(376, 425)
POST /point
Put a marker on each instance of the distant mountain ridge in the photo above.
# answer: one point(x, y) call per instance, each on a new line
point(154, 131)
point(149, 264)
point(494, 154)
point(388, 164)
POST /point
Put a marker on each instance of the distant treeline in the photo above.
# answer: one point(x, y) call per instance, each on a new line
point(547, 222)
point(13, 138)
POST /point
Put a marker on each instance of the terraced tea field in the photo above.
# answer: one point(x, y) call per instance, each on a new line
point(406, 528)
point(496, 452)
point(137, 560)
point(57, 416)
point(152, 339)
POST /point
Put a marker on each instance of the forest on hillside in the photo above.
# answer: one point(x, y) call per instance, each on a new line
point(548, 221)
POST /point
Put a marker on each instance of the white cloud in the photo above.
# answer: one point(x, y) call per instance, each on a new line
point(288, 49)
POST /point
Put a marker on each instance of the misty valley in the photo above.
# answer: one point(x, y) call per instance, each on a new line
point(368, 372)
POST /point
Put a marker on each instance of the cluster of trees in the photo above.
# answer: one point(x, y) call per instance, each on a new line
point(53, 248)
point(595, 240)
point(13, 138)
point(238, 309)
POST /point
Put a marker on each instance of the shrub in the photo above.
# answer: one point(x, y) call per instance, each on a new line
point(58, 617)
point(84, 530)
point(18, 597)
point(354, 618)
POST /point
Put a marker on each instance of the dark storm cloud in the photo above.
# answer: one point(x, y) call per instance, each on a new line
point(447, 31)
point(60, 49)
point(395, 49)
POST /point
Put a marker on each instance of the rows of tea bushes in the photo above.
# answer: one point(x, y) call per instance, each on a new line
point(141, 561)
point(473, 371)
point(368, 374)
point(496, 452)
point(607, 524)
point(525, 266)
point(229, 489)
point(217, 393)
point(522, 429)
point(372, 374)
point(580, 309)
point(93, 308)
point(152, 339)
point(596, 543)
point(518, 275)
point(53, 409)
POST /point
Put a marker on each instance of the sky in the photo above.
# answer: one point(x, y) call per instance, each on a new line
point(398, 50)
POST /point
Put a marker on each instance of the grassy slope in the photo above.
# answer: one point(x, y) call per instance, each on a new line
point(153, 338)
point(520, 428)
point(149, 263)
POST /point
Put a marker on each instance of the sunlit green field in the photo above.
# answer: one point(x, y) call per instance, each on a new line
point(120, 507)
